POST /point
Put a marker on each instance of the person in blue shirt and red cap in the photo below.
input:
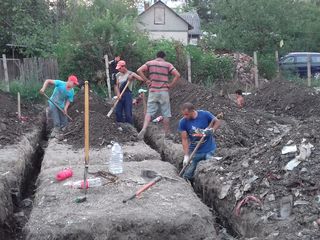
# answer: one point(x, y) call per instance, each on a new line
point(62, 95)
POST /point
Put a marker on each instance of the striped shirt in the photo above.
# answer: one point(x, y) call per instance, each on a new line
point(159, 71)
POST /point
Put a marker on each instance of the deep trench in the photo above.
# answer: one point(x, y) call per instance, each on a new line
point(222, 224)
point(23, 199)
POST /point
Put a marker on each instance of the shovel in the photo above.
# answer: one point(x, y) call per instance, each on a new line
point(153, 174)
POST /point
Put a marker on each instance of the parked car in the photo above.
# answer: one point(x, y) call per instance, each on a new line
point(296, 63)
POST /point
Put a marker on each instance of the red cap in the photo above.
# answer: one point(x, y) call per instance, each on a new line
point(120, 64)
point(73, 79)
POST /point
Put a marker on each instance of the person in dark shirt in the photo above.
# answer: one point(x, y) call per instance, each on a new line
point(113, 70)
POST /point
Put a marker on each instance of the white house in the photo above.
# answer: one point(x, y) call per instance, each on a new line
point(161, 22)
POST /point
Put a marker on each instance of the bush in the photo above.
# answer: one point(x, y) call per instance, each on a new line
point(267, 65)
point(208, 68)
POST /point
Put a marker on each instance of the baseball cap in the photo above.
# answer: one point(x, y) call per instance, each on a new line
point(73, 79)
point(120, 64)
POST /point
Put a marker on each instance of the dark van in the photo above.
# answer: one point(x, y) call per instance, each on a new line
point(296, 63)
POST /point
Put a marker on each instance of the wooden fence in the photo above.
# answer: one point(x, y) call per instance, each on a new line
point(29, 69)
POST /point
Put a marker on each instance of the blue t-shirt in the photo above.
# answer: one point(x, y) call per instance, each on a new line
point(192, 126)
point(60, 94)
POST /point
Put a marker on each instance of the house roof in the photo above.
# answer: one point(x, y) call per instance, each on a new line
point(193, 19)
point(190, 27)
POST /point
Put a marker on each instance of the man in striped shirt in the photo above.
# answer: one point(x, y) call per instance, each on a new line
point(158, 81)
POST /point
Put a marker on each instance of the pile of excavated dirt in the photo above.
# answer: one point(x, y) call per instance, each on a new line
point(250, 142)
point(102, 129)
point(11, 127)
point(284, 97)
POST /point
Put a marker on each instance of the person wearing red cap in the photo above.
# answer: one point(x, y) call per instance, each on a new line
point(125, 103)
point(62, 95)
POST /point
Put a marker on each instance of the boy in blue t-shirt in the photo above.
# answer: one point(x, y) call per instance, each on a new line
point(193, 126)
point(62, 95)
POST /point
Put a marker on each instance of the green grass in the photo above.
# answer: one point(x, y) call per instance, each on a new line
point(29, 90)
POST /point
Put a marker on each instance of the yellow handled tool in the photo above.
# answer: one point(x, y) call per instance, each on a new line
point(115, 104)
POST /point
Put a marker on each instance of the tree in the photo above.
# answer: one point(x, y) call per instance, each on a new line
point(259, 25)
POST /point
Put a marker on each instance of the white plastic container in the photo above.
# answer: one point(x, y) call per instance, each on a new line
point(116, 161)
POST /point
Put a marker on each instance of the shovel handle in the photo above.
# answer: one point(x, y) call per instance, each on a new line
point(115, 104)
point(144, 188)
point(57, 106)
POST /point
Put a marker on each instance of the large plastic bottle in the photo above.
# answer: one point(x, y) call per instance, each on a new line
point(116, 161)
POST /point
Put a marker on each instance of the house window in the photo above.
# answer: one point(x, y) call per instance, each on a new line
point(159, 13)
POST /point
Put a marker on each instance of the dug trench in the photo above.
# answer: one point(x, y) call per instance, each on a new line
point(246, 185)
point(21, 170)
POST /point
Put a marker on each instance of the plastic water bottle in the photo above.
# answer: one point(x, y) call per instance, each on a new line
point(91, 182)
point(64, 174)
point(115, 163)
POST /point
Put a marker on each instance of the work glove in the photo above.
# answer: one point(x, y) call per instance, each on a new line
point(208, 131)
point(185, 160)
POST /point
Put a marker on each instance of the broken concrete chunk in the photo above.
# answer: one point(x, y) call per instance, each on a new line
point(292, 164)
point(305, 151)
point(289, 149)
point(286, 206)
point(224, 190)
point(271, 197)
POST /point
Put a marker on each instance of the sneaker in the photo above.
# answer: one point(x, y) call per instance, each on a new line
point(141, 134)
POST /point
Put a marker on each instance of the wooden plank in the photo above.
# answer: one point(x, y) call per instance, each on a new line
point(6, 77)
point(106, 59)
point(256, 72)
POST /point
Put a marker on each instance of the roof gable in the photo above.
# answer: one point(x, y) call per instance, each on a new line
point(193, 19)
point(190, 27)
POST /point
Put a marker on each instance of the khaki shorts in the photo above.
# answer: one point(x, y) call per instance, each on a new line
point(158, 100)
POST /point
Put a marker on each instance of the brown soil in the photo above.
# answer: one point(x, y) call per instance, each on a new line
point(11, 128)
point(283, 97)
point(102, 129)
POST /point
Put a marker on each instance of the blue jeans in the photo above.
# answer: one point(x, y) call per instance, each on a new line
point(188, 174)
point(125, 105)
point(59, 119)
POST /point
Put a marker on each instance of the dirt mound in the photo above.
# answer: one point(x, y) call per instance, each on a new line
point(11, 127)
point(102, 129)
point(250, 142)
point(281, 96)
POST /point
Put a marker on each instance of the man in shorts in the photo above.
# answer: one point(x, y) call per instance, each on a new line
point(159, 85)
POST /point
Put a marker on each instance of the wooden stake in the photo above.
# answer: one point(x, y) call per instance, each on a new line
point(6, 76)
point(19, 106)
point(256, 73)
point(86, 122)
point(189, 67)
point(309, 70)
point(277, 62)
point(236, 73)
point(106, 59)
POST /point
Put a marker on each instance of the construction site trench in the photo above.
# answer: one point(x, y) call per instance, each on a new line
point(246, 191)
